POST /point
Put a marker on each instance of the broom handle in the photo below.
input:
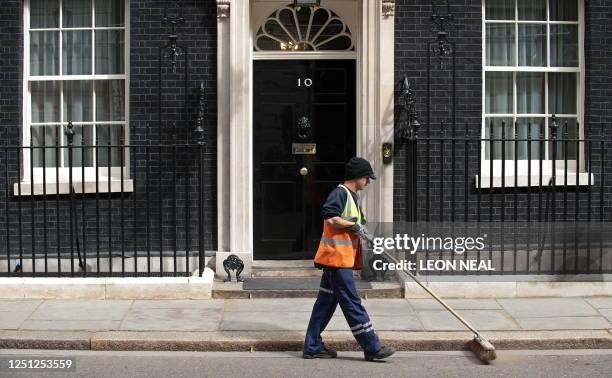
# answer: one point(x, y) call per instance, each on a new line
point(459, 317)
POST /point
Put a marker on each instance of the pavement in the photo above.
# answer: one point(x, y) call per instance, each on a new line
point(278, 324)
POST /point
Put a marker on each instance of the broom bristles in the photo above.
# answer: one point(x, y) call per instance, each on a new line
point(482, 349)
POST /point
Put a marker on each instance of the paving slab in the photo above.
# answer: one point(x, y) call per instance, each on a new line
point(71, 325)
point(607, 313)
point(265, 321)
point(408, 322)
point(600, 302)
point(178, 303)
point(20, 304)
point(269, 304)
point(13, 319)
point(93, 309)
point(457, 304)
point(14, 312)
point(563, 323)
point(388, 307)
point(547, 307)
point(435, 320)
point(172, 319)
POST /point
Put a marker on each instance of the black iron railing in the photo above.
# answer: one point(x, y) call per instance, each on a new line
point(105, 210)
point(541, 197)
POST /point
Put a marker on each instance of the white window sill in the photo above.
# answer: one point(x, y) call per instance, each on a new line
point(523, 180)
point(64, 187)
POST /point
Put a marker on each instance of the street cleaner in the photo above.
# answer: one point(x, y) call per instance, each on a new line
point(339, 253)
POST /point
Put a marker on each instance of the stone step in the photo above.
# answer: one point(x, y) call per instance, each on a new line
point(285, 272)
point(284, 268)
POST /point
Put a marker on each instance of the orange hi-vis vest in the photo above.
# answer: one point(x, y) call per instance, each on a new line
point(340, 248)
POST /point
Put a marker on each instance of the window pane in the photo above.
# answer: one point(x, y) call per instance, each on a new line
point(109, 12)
point(532, 45)
point(110, 103)
point(339, 43)
point(76, 52)
point(332, 29)
point(502, 130)
point(530, 92)
point(83, 136)
point(568, 129)
point(563, 10)
point(266, 43)
point(109, 51)
point(44, 56)
point(499, 10)
point(44, 136)
point(564, 45)
point(45, 99)
point(532, 10)
point(44, 14)
point(500, 45)
point(78, 101)
point(530, 128)
point(562, 93)
point(303, 16)
point(113, 135)
point(499, 92)
point(76, 13)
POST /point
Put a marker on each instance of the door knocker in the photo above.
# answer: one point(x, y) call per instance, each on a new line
point(304, 129)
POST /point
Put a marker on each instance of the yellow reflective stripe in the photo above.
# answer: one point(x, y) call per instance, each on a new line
point(327, 240)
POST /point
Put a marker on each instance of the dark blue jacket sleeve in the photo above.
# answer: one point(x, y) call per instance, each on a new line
point(334, 204)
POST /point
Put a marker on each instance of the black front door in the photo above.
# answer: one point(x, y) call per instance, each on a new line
point(303, 133)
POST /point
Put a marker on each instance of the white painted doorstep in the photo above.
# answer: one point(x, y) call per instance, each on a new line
point(194, 287)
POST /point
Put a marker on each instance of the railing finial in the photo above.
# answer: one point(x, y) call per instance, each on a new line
point(70, 133)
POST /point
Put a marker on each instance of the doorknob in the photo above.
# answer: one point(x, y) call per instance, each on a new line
point(304, 171)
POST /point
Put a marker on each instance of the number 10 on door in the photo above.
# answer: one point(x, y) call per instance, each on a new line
point(305, 82)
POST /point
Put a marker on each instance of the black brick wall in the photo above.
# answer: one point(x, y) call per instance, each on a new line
point(598, 95)
point(147, 34)
point(413, 31)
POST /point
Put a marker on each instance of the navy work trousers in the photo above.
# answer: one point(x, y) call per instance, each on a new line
point(338, 287)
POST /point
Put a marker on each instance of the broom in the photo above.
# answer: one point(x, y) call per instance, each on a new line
point(482, 348)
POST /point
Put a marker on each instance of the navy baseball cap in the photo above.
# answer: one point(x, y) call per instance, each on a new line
point(358, 167)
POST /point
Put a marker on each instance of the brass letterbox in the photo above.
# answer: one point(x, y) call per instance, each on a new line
point(304, 148)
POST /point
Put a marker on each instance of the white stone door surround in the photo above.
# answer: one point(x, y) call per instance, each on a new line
point(375, 67)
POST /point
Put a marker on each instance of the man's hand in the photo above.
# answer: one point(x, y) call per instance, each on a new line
point(361, 231)
point(356, 228)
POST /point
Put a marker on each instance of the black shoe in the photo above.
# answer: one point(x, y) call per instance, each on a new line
point(383, 353)
point(325, 353)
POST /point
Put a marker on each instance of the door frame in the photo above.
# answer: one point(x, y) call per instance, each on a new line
point(374, 35)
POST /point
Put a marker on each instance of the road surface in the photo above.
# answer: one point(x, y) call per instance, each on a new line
point(547, 363)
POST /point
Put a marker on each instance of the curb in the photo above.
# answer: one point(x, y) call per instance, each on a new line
point(293, 341)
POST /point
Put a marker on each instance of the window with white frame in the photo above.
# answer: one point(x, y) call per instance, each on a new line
point(75, 71)
point(532, 70)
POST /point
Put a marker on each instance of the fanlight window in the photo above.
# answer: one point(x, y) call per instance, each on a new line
point(303, 29)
